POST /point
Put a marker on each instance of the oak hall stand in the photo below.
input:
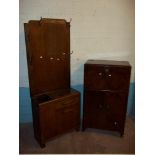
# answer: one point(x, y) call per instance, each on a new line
point(55, 105)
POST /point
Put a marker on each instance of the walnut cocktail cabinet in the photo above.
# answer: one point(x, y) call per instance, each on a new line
point(55, 106)
point(106, 86)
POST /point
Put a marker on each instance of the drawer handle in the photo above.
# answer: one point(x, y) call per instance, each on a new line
point(106, 70)
point(115, 123)
point(41, 57)
point(109, 75)
point(99, 73)
point(51, 58)
point(68, 110)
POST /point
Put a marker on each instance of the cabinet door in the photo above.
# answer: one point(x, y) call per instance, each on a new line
point(67, 115)
point(94, 79)
point(57, 47)
point(106, 77)
point(104, 110)
point(118, 78)
point(36, 58)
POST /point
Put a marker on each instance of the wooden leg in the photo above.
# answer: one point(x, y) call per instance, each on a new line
point(42, 145)
point(121, 134)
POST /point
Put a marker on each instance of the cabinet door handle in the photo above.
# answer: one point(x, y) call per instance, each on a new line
point(51, 58)
point(100, 73)
point(115, 123)
point(106, 70)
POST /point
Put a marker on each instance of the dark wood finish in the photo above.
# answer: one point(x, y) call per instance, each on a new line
point(55, 106)
point(48, 55)
point(106, 86)
point(55, 114)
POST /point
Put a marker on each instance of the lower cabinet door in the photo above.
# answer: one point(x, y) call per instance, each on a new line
point(67, 118)
point(59, 116)
point(104, 110)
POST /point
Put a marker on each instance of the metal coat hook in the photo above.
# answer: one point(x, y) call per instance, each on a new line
point(71, 52)
point(40, 20)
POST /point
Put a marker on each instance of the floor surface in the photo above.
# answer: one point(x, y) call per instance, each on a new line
point(91, 141)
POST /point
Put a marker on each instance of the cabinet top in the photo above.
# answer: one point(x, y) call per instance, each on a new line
point(108, 62)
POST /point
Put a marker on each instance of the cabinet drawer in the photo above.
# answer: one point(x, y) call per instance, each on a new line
point(106, 77)
point(67, 102)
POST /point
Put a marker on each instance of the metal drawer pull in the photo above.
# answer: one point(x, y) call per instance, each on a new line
point(58, 59)
point(106, 70)
point(100, 74)
point(51, 58)
point(41, 57)
point(64, 53)
point(109, 75)
point(115, 123)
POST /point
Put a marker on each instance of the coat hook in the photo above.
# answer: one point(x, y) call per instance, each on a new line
point(71, 52)
point(40, 20)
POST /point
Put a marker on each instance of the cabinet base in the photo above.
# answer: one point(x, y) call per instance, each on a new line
point(120, 133)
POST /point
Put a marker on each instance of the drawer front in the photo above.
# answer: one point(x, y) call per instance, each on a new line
point(106, 78)
point(66, 102)
point(105, 110)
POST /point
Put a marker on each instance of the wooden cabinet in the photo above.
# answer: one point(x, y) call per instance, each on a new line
point(106, 86)
point(55, 105)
